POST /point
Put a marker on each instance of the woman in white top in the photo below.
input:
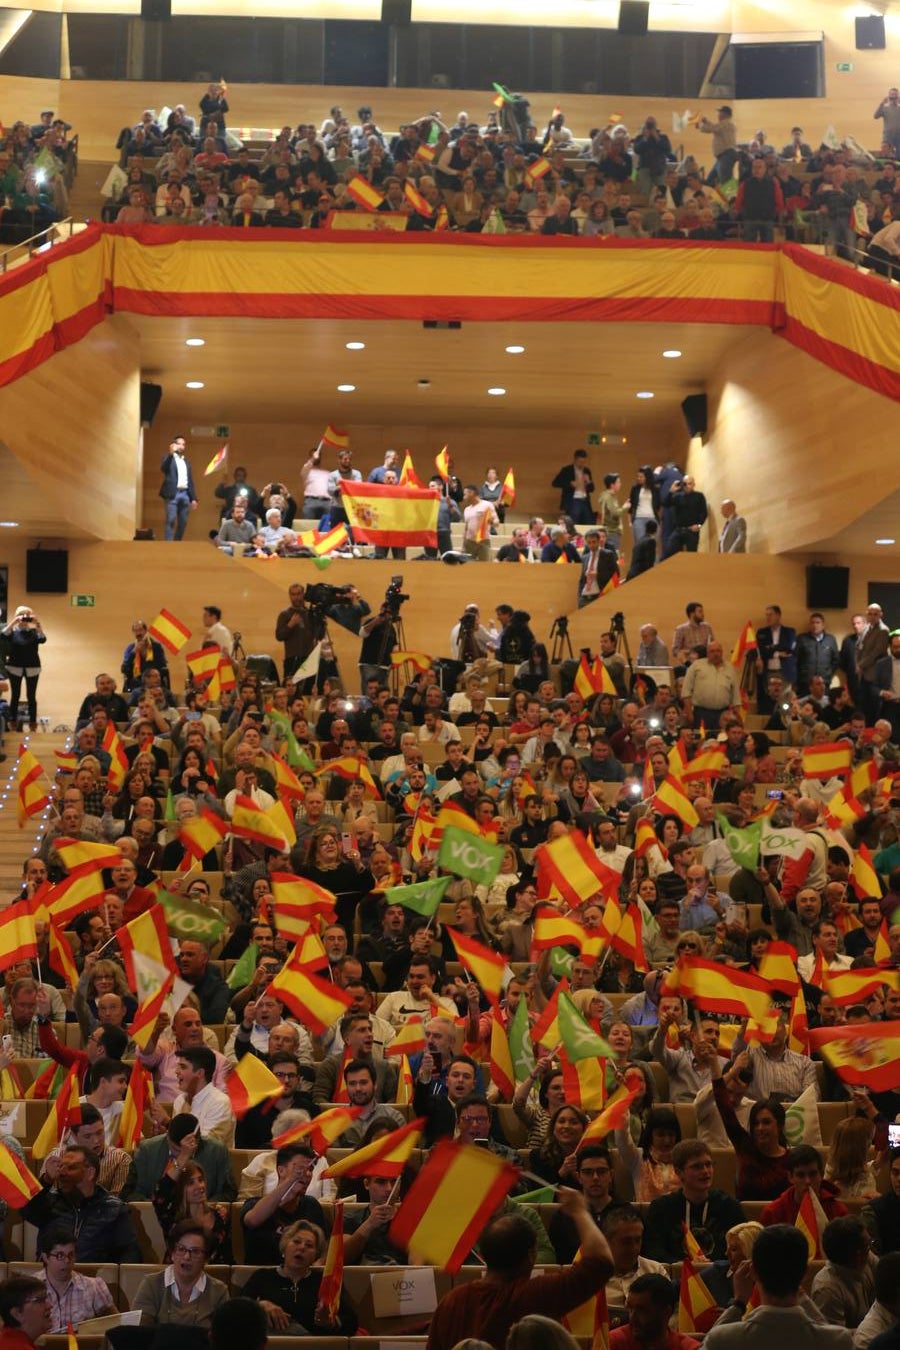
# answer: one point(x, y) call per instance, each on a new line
point(643, 502)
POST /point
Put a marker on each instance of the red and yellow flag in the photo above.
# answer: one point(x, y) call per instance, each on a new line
point(670, 799)
point(827, 761)
point(218, 459)
point(452, 1198)
point(200, 834)
point(746, 642)
point(322, 1131)
point(335, 437)
point(628, 937)
point(697, 1310)
point(138, 1099)
point(385, 1157)
point(405, 1085)
point(391, 516)
point(485, 967)
point(719, 989)
point(251, 1083)
point(297, 903)
point(333, 1272)
point(418, 660)
point(171, 632)
point(31, 794)
point(418, 203)
point(17, 1184)
point(204, 664)
point(863, 877)
point(83, 853)
point(65, 1111)
point(552, 929)
point(61, 957)
point(843, 808)
point(363, 193)
point(809, 1224)
point(584, 1081)
point(590, 1321)
point(317, 1003)
point(614, 1115)
point(410, 1039)
point(708, 764)
point(442, 463)
point(251, 822)
point(351, 767)
point(847, 987)
point(408, 473)
point(858, 1057)
point(502, 1074)
point(81, 890)
point(146, 939)
point(118, 760)
point(575, 870)
point(778, 967)
point(18, 941)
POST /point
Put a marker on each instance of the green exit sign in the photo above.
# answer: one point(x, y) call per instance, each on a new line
point(223, 430)
point(845, 67)
point(593, 438)
point(82, 601)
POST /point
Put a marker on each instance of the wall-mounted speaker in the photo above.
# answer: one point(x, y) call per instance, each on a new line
point(634, 17)
point(150, 397)
point(827, 587)
point(694, 409)
point(396, 11)
point(47, 571)
point(870, 33)
point(158, 10)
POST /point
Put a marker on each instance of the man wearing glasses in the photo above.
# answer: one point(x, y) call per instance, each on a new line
point(25, 1312)
point(72, 1297)
point(182, 1294)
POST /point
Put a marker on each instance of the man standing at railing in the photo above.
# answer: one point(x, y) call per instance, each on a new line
point(177, 491)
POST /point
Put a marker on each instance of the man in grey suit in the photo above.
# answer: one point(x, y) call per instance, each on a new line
point(733, 534)
point(179, 1145)
point(785, 1318)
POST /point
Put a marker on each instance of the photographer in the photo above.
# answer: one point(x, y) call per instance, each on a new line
point(349, 609)
point(277, 495)
point(378, 641)
point(24, 635)
point(299, 629)
point(516, 639)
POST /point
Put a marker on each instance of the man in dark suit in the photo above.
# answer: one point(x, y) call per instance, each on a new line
point(575, 485)
point(886, 679)
point(598, 564)
point(177, 489)
point(776, 647)
point(848, 654)
point(873, 645)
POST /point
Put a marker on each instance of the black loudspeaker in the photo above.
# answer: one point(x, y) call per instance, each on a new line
point(150, 396)
point(634, 16)
point(156, 9)
point(396, 11)
point(870, 33)
point(827, 587)
point(47, 571)
point(694, 409)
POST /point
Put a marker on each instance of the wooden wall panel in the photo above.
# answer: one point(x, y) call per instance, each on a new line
point(801, 450)
point(73, 422)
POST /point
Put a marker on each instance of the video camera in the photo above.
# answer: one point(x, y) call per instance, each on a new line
point(617, 622)
point(321, 595)
point(394, 597)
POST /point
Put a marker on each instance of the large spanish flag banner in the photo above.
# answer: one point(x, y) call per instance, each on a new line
point(860, 1058)
point(394, 517)
point(448, 1204)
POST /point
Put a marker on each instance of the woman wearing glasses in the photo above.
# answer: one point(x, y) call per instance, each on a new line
point(183, 1293)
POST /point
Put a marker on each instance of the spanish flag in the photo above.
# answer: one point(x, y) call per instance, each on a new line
point(615, 1113)
point(138, 1099)
point(61, 958)
point(442, 463)
point(863, 877)
point(363, 193)
point(249, 821)
point(584, 679)
point(552, 929)
point(811, 1221)
point(442, 219)
point(778, 968)
point(846, 987)
point(410, 1039)
point(857, 1057)
point(118, 760)
point(317, 1003)
point(603, 681)
point(335, 437)
point(385, 1157)
point(201, 833)
point(708, 764)
point(64, 1112)
point(863, 777)
point(697, 1310)
point(171, 632)
point(584, 1082)
point(452, 1198)
point(719, 989)
point(204, 664)
point(746, 642)
point(148, 1012)
point(645, 839)
point(508, 492)
point(251, 1083)
point(405, 1086)
point(391, 516)
point(309, 952)
point(298, 902)
point(590, 1321)
point(323, 544)
point(536, 171)
point(218, 459)
point(78, 853)
point(827, 761)
point(81, 890)
point(333, 1269)
point(418, 660)
point(485, 967)
point(286, 781)
point(408, 473)
point(628, 938)
point(613, 584)
point(418, 203)
point(843, 808)
point(17, 936)
point(425, 154)
point(576, 871)
point(351, 767)
point(502, 1074)
point(146, 937)
point(17, 1184)
point(32, 798)
point(322, 1131)
point(670, 799)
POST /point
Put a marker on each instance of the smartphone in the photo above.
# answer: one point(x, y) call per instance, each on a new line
point(436, 1060)
point(894, 1136)
point(6, 1042)
point(192, 716)
point(346, 842)
point(775, 794)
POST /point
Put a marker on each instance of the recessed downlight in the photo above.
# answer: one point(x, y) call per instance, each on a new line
point(645, 393)
point(9, 524)
point(195, 384)
point(195, 342)
point(877, 541)
point(496, 391)
point(355, 346)
point(346, 388)
point(516, 349)
point(671, 353)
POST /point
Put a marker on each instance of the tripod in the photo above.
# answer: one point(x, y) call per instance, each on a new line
point(622, 646)
point(393, 626)
point(561, 642)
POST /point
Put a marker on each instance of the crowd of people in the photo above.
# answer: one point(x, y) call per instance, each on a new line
point(36, 165)
point(706, 1160)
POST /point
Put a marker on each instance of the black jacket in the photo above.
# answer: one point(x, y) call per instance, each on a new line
point(102, 1224)
point(169, 472)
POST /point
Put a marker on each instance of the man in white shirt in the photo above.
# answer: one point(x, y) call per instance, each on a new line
point(825, 945)
point(195, 1067)
point(216, 631)
point(608, 849)
point(418, 998)
point(110, 1078)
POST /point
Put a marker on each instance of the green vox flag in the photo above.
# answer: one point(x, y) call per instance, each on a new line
point(561, 962)
point(520, 1046)
point(468, 855)
point(743, 845)
point(579, 1041)
point(189, 919)
point(544, 1195)
point(170, 816)
point(244, 969)
point(424, 897)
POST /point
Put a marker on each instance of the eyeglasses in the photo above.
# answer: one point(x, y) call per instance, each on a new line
point(190, 1251)
point(475, 1120)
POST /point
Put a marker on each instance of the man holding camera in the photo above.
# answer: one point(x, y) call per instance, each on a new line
point(378, 641)
point(297, 629)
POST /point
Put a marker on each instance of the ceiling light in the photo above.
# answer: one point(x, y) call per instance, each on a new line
point(877, 541)
point(346, 388)
point(195, 342)
point(645, 393)
point(671, 353)
point(497, 390)
point(9, 524)
point(355, 346)
point(195, 384)
point(515, 350)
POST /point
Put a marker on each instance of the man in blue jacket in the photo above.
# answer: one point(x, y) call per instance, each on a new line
point(177, 489)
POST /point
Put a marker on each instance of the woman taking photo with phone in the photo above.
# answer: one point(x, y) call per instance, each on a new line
point(25, 636)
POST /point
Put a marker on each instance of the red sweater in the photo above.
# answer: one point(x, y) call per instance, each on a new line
point(784, 1209)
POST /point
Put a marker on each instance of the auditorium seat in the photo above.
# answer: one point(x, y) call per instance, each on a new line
point(358, 1288)
point(30, 1115)
point(830, 1114)
point(147, 1230)
point(514, 1130)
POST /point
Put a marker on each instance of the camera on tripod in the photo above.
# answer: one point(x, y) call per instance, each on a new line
point(322, 595)
point(394, 597)
point(617, 623)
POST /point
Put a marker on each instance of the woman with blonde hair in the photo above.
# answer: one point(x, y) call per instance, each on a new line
point(719, 1277)
point(289, 1293)
point(535, 1332)
point(850, 1165)
point(102, 977)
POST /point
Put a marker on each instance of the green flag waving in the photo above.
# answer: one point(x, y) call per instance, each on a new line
point(579, 1041)
point(424, 896)
point(468, 855)
point(743, 845)
point(187, 918)
point(244, 968)
point(520, 1046)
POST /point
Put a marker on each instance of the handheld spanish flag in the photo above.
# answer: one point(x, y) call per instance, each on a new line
point(363, 193)
point(614, 1114)
point(584, 679)
point(418, 660)
point(31, 795)
point(418, 203)
point(425, 154)
point(405, 1085)
point(863, 877)
point(118, 760)
point(552, 929)
point(697, 1310)
point(322, 1131)
point(410, 1039)
point(746, 642)
point(442, 219)
point(65, 1111)
point(171, 632)
point(61, 958)
point(576, 871)
point(17, 1184)
point(336, 437)
point(447, 1206)
point(778, 968)
point(251, 1083)
point(384, 1157)
point(147, 951)
point(391, 516)
point(81, 890)
point(719, 989)
point(138, 1099)
point(286, 781)
point(442, 463)
point(847, 987)
point(217, 461)
point(298, 902)
point(408, 473)
point(18, 941)
point(708, 764)
point(502, 1073)
point(811, 1221)
point(827, 761)
point(84, 853)
point(859, 1058)
point(204, 664)
point(351, 767)
point(485, 967)
point(333, 1271)
point(843, 808)
point(315, 1002)
point(671, 799)
point(250, 821)
point(201, 833)
point(536, 171)
point(508, 492)
point(584, 1082)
